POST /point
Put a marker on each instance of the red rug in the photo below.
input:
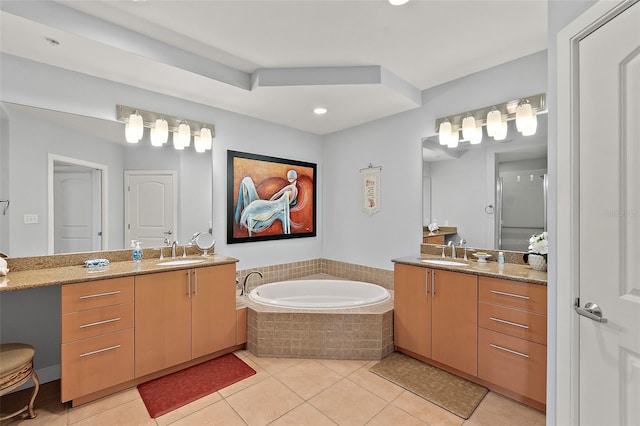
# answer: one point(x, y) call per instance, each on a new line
point(167, 393)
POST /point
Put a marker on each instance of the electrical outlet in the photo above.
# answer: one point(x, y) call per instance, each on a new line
point(30, 218)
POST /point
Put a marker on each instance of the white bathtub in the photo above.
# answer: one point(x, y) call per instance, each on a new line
point(319, 294)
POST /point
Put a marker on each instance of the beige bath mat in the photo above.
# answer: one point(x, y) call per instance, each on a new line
point(446, 390)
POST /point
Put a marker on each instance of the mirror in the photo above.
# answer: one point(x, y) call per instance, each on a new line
point(30, 136)
point(462, 188)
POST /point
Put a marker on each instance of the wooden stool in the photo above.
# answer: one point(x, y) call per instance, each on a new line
point(16, 368)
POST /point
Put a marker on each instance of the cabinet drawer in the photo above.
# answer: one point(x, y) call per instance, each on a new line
point(85, 324)
point(526, 325)
point(96, 294)
point(512, 363)
point(529, 297)
point(93, 364)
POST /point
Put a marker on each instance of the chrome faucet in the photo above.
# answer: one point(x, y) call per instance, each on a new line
point(244, 283)
point(174, 245)
point(452, 244)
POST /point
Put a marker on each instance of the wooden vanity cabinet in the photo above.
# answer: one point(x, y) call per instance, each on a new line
point(435, 315)
point(97, 331)
point(183, 315)
point(512, 351)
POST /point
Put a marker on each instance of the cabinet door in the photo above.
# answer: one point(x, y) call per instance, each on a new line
point(412, 309)
point(213, 309)
point(454, 318)
point(163, 321)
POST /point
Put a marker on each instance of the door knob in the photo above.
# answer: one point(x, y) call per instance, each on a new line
point(590, 310)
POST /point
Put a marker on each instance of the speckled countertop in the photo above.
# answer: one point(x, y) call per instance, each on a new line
point(510, 271)
point(55, 275)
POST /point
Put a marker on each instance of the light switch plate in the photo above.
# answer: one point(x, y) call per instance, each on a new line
point(30, 218)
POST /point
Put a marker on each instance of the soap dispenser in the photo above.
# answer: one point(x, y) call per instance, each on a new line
point(137, 251)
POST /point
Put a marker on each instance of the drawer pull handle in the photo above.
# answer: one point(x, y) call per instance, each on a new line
point(91, 296)
point(502, 293)
point(110, 348)
point(93, 324)
point(515, 324)
point(509, 350)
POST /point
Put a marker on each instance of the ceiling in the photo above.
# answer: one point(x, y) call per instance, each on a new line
point(278, 60)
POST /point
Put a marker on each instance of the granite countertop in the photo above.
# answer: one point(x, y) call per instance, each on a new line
point(510, 271)
point(32, 278)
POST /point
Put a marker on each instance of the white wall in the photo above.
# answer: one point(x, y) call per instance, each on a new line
point(395, 143)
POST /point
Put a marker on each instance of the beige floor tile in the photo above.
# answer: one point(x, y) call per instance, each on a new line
point(343, 367)
point(49, 412)
point(103, 404)
point(512, 410)
point(219, 413)
point(244, 383)
point(274, 365)
point(132, 413)
point(264, 402)
point(392, 415)
point(303, 415)
point(307, 378)
point(483, 417)
point(425, 410)
point(188, 409)
point(347, 403)
point(375, 384)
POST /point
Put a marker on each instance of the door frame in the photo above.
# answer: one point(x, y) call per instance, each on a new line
point(104, 223)
point(127, 174)
point(567, 277)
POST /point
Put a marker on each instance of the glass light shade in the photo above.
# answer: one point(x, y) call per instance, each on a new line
point(444, 132)
point(177, 144)
point(184, 134)
point(453, 140)
point(153, 136)
point(205, 137)
point(524, 116)
point(494, 121)
point(501, 133)
point(198, 143)
point(134, 128)
point(162, 131)
point(532, 126)
point(476, 137)
point(468, 128)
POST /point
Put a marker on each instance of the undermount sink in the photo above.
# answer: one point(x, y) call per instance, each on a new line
point(180, 262)
point(444, 262)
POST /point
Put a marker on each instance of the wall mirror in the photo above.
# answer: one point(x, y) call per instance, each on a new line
point(493, 193)
point(32, 139)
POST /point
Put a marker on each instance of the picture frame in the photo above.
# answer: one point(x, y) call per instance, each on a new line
point(269, 198)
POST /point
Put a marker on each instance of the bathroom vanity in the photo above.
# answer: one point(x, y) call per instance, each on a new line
point(480, 321)
point(132, 322)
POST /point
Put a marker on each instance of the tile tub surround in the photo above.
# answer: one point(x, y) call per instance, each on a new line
point(364, 333)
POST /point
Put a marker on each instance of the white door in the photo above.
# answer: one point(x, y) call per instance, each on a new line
point(609, 221)
point(77, 210)
point(151, 207)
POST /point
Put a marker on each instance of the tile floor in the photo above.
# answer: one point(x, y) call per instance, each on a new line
point(284, 391)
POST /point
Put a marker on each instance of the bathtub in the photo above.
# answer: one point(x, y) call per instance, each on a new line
point(319, 294)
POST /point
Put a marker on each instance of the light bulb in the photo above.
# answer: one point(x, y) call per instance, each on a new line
point(501, 133)
point(177, 144)
point(444, 132)
point(524, 116)
point(162, 131)
point(205, 137)
point(468, 128)
point(454, 139)
point(184, 134)
point(494, 121)
point(531, 127)
point(134, 128)
point(198, 143)
point(476, 137)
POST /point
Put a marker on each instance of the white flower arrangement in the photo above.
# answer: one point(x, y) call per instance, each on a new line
point(539, 244)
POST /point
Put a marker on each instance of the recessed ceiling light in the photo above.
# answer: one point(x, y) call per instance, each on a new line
point(52, 41)
point(320, 110)
point(398, 2)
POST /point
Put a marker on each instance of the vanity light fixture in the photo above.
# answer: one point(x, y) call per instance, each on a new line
point(495, 118)
point(160, 125)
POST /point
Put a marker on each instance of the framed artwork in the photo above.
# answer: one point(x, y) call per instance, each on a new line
point(269, 198)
